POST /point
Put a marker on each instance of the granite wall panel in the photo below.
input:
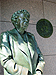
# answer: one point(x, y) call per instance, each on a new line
point(46, 45)
point(50, 65)
point(50, 12)
point(1, 70)
point(4, 26)
point(32, 6)
point(0, 10)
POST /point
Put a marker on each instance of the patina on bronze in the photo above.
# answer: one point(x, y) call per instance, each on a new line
point(19, 53)
point(44, 28)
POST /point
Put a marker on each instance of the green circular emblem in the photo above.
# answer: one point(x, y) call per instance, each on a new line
point(44, 28)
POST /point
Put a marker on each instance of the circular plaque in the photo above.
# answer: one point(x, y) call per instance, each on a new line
point(44, 28)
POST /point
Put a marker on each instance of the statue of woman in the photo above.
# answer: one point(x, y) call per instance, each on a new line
point(19, 52)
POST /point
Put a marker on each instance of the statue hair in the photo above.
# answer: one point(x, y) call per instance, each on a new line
point(15, 17)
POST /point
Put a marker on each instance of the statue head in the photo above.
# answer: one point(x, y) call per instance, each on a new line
point(20, 20)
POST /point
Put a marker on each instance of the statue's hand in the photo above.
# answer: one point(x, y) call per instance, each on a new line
point(38, 73)
point(21, 70)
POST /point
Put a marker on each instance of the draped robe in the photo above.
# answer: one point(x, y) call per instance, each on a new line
point(20, 53)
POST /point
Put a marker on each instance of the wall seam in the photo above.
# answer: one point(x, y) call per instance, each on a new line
point(49, 1)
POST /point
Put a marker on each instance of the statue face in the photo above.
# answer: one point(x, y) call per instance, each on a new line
point(23, 23)
point(20, 20)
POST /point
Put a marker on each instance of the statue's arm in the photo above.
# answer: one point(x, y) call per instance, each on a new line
point(40, 62)
point(6, 57)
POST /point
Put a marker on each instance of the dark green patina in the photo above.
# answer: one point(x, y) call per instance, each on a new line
point(44, 28)
point(19, 52)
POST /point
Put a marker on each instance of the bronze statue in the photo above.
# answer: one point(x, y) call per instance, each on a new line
point(19, 52)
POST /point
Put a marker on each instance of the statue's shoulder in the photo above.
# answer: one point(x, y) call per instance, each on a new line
point(3, 37)
point(30, 35)
point(11, 31)
point(4, 33)
point(8, 32)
